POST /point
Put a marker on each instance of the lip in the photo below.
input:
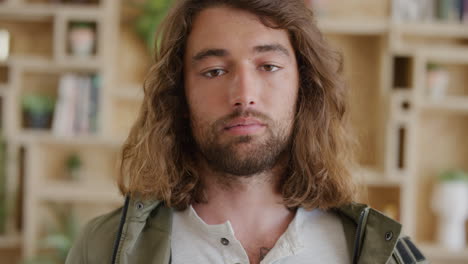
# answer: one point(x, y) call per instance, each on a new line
point(244, 126)
point(243, 122)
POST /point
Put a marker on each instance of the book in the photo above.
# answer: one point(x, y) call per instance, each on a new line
point(449, 10)
point(80, 125)
point(63, 119)
point(77, 105)
point(413, 10)
point(428, 9)
point(94, 103)
point(464, 13)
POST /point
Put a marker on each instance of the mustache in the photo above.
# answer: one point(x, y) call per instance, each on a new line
point(223, 121)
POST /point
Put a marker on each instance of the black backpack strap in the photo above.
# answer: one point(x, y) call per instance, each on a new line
point(119, 232)
point(406, 252)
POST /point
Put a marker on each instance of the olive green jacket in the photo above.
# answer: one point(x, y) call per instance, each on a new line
point(140, 233)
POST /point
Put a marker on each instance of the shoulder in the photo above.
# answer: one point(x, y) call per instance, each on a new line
point(95, 242)
point(317, 220)
point(375, 237)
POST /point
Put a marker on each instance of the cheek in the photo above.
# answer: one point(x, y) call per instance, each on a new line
point(283, 95)
point(202, 105)
point(205, 100)
point(202, 109)
point(291, 84)
point(198, 125)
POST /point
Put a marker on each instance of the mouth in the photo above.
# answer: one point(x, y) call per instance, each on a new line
point(244, 126)
point(242, 122)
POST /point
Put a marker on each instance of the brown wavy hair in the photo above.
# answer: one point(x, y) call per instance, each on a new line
point(158, 156)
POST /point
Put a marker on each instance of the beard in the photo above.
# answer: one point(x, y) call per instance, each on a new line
point(245, 155)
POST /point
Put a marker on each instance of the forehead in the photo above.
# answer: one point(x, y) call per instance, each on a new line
point(229, 28)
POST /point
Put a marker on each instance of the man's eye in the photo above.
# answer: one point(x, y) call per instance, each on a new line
point(270, 68)
point(214, 73)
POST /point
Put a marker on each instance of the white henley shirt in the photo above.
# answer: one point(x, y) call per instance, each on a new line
point(313, 236)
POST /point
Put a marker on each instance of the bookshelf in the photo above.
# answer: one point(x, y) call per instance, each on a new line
point(408, 134)
point(386, 62)
point(36, 180)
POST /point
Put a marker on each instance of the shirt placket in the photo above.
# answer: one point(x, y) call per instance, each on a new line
point(232, 250)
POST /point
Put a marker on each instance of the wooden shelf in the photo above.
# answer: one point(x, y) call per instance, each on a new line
point(76, 192)
point(433, 29)
point(436, 252)
point(449, 103)
point(31, 136)
point(41, 11)
point(44, 64)
point(37, 68)
point(353, 27)
point(445, 54)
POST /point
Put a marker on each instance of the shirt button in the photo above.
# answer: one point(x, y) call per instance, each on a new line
point(224, 241)
point(389, 235)
point(139, 205)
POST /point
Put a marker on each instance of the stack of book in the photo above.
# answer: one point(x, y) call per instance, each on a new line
point(447, 11)
point(77, 108)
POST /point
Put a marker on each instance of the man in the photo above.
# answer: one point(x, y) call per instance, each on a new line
point(240, 153)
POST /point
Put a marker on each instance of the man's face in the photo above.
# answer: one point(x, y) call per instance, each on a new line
point(241, 84)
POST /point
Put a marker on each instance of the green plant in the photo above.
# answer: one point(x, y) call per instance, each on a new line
point(453, 175)
point(59, 240)
point(434, 67)
point(80, 24)
point(38, 103)
point(73, 162)
point(152, 12)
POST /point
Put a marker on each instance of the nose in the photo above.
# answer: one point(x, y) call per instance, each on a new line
point(244, 91)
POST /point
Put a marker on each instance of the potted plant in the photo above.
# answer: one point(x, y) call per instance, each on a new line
point(73, 166)
point(37, 110)
point(450, 203)
point(82, 38)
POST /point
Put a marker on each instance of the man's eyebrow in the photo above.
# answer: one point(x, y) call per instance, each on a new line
point(223, 53)
point(209, 53)
point(272, 47)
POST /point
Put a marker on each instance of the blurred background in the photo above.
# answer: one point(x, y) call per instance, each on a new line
point(71, 74)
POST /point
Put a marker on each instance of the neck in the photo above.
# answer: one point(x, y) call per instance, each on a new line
point(257, 194)
point(252, 204)
point(230, 194)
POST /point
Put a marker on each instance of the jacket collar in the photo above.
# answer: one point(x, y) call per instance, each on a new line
point(379, 236)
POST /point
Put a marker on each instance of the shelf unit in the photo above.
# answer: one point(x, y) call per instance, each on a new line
point(39, 57)
point(407, 137)
point(385, 68)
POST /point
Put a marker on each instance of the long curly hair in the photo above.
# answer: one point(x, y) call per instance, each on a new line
point(157, 159)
